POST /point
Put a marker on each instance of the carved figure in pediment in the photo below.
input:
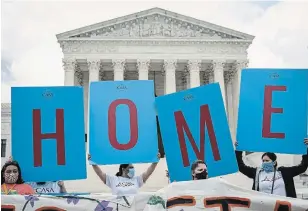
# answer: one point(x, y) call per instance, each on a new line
point(156, 27)
point(135, 32)
point(107, 33)
point(125, 30)
point(146, 28)
point(93, 34)
point(167, 27)
point(113, 32)
point(179, 31)
point(199, 32)
point(215, 35)
point(189, 32)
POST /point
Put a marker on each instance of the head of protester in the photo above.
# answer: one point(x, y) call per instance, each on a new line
point(199, 170)
point(126, 170)
point(11, 180)
point(124, 182)
point(271, 179)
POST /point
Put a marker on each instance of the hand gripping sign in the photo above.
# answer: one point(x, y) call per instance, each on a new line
point(194, 126)
point(273, 110)
point(48, 132)
point(122, 122)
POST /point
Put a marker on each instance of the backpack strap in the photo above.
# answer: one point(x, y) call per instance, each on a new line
point(258, 170)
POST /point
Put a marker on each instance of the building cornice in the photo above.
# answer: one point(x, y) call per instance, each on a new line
point(154, 11)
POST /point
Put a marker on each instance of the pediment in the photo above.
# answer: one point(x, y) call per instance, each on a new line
point(155, 23)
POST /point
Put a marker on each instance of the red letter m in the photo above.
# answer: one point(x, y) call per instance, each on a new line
point(38, 137)
point(181, 125)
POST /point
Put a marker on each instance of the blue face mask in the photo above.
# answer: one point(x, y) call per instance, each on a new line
point(131, 173)
point(268, 166)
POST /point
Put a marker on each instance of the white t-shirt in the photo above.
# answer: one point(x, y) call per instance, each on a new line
point(48, 187)
point(266, 182)
point(122, 186)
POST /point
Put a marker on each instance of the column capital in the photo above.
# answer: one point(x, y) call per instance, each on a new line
point(194, 64)
point(93, 64)
point(170, 64)
point(118, 64)
point(217, 64)
point(143, 64)
point(240, 64)
point(69, 65)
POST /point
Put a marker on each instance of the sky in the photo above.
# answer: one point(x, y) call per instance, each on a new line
point(31, 56)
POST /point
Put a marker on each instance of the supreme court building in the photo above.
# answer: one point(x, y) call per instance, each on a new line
point(176, 51)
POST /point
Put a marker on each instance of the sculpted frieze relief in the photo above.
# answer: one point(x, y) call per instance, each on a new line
point(156, 26)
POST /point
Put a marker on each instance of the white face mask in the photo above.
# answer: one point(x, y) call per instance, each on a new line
point(131, 173)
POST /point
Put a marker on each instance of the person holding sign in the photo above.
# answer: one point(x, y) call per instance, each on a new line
point(124, 182)
point(272, 179)
point(11, 180)
point(198, 171)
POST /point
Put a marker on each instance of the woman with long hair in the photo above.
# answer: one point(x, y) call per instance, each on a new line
point(271, 179)
point(11, 180)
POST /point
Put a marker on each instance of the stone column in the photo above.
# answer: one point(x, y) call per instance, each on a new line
point(194, 73)
point(143, 69)
point(170, 83)
point(230, 105)
point(93, 67)
point(236, 86)
point(218, 67)
point(118, 68)
point(69, 66)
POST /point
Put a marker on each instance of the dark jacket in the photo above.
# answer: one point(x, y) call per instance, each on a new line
point(287, 173)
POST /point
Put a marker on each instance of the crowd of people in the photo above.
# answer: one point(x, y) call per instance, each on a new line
point(268, 178)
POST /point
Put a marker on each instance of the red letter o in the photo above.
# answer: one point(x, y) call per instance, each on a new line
point(112, 130)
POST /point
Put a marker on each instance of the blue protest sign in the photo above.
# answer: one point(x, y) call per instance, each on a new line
point(122, 122)
point(193, 126)
point(48, 133)
point(273, 110)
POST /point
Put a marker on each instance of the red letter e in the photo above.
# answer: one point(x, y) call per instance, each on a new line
point(268, 110)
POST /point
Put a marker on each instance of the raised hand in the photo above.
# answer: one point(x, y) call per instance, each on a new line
point(61, 183)
point(158, 156)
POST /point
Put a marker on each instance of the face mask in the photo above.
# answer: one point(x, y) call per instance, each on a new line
point(10, 178)
point(201, 175)
point(131, 173)
point(268, 166)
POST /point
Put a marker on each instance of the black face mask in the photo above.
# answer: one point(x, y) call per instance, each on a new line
point(202, 175)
